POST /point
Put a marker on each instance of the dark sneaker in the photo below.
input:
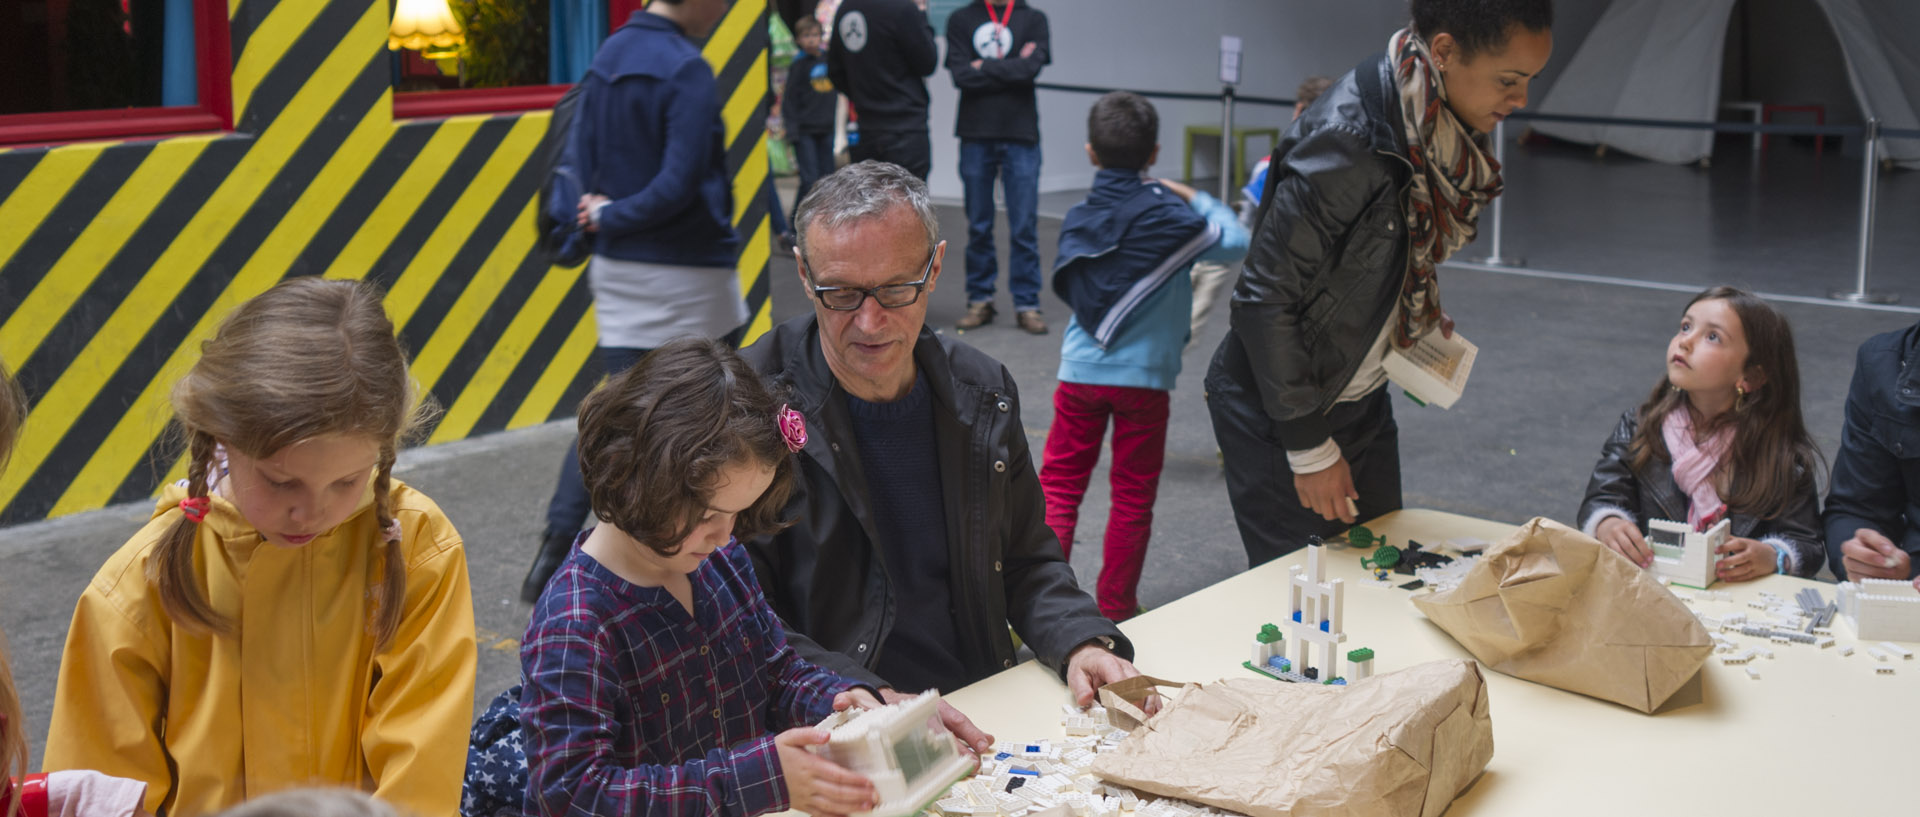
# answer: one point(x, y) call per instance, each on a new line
point(1029, 319)
point(554, 547)
point(978, 315)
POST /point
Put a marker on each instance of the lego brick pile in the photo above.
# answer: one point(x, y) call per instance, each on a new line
point(1053, 779)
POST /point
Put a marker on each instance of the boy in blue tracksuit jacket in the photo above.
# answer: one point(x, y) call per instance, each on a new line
point(1123, 268)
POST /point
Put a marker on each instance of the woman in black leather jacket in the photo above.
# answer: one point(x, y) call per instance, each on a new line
point(1721, 435)
point(1374, 185)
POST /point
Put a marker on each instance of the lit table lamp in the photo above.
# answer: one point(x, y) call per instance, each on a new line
point(427, 26)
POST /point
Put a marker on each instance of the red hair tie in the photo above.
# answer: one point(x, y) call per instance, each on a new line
point(195, 508)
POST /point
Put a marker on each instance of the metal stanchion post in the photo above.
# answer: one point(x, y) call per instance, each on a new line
point(1495, 257)
point(1226, 143)
point(1869, 189)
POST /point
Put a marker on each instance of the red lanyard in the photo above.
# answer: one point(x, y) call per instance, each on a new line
point(996, 20)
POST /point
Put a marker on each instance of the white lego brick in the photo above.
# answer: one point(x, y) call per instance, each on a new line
point(1878, 654)
point(1883, 670)
point(1899, 651)
point(1846, 651)
point(1753, 673)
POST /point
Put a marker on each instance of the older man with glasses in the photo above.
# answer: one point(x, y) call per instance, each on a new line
point(919, 530)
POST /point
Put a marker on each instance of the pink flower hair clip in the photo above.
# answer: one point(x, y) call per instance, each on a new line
point(793, 428)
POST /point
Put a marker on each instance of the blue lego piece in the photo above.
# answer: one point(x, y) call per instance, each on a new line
point(1002, 756)
point(1324, 627)
point(1280, 663)
point(1338, 682)
point(1296, 615)
point(1027, 772)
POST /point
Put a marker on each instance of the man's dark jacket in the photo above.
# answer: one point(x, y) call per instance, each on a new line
point(1876, 475)
point(648, 135)
point(824, 575)
point(1328, 255)
point(885, 77)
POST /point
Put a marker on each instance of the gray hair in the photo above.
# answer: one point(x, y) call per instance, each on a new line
point(861, 191)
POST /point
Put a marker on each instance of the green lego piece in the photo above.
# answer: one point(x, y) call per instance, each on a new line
point(1269, 634)
point(1363, 538)
point(1329, 681)
point(1386, 557)
point(1359, 655)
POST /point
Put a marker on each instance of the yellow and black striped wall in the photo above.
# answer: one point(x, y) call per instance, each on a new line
point(118, 258)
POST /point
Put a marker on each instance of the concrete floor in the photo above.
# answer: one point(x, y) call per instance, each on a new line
point(1559, 360)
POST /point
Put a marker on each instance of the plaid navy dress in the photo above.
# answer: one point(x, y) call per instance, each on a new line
point(629, 706)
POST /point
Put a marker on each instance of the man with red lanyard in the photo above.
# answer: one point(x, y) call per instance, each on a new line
point(995, 50)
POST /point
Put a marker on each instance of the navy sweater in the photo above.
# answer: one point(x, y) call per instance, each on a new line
point(648, 136)
point(902, 464)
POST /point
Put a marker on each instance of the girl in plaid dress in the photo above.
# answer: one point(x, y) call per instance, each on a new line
point(656, 679)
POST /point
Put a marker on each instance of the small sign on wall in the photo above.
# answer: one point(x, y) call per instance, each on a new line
point(1230, 60)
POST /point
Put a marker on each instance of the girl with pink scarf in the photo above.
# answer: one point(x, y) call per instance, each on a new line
point(1720, 436)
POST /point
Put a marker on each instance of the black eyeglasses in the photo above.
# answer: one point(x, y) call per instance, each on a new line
point(891, 296)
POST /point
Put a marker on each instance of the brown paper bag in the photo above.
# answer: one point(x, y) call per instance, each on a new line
point(1397, 744)
point(1554, 606)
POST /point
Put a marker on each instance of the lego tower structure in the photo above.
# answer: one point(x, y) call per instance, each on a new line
point(1317, 613)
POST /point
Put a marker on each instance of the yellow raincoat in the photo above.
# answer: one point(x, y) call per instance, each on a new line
point(299, 695)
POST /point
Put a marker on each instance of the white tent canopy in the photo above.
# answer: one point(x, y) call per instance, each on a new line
point(1656, 59)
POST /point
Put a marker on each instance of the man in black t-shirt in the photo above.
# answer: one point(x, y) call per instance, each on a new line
point(995, 49)
point(880, 53)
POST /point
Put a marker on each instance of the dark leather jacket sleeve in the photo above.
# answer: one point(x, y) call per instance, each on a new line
point(1324, 184)
point(1045, 604)
point(1879, 452)
point(1613, 484)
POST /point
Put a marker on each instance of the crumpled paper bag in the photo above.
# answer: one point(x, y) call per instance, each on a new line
point(1397, 744)
point(1554, 606)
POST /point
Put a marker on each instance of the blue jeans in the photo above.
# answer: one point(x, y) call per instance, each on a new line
point(1017, 167)
point(813, 154)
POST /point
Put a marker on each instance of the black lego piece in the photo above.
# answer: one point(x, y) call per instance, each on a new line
point(1312, 673)
point(1416, 584)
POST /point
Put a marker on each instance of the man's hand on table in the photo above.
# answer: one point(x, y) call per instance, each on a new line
point(1871, 555)
point(976, 741)
point(1091, 666)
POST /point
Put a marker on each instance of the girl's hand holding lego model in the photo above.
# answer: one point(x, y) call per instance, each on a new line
point(816, 785)
point(1624, 538)
point(1745, 560)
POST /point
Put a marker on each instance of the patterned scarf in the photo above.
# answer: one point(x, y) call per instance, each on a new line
point(1693, 463)
point(1453, 177)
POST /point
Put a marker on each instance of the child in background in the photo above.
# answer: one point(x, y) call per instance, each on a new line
point(1123, 267)
point(1720, 433)
point(292, 615)
point(653, 669)
point(806, 106)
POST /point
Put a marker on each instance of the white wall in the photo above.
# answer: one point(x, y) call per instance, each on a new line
point(1157, 45)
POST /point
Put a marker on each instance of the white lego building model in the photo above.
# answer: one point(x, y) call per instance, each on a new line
point(1881, 609)
point(1682, 555)
point(1316, 612)
point(902, 748)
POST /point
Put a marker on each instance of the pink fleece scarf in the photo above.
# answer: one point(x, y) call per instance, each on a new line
point(1693, 463)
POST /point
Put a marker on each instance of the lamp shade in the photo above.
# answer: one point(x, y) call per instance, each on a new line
point(422, 24)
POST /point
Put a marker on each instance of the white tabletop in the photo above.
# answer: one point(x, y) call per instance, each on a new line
point(1816, 734)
